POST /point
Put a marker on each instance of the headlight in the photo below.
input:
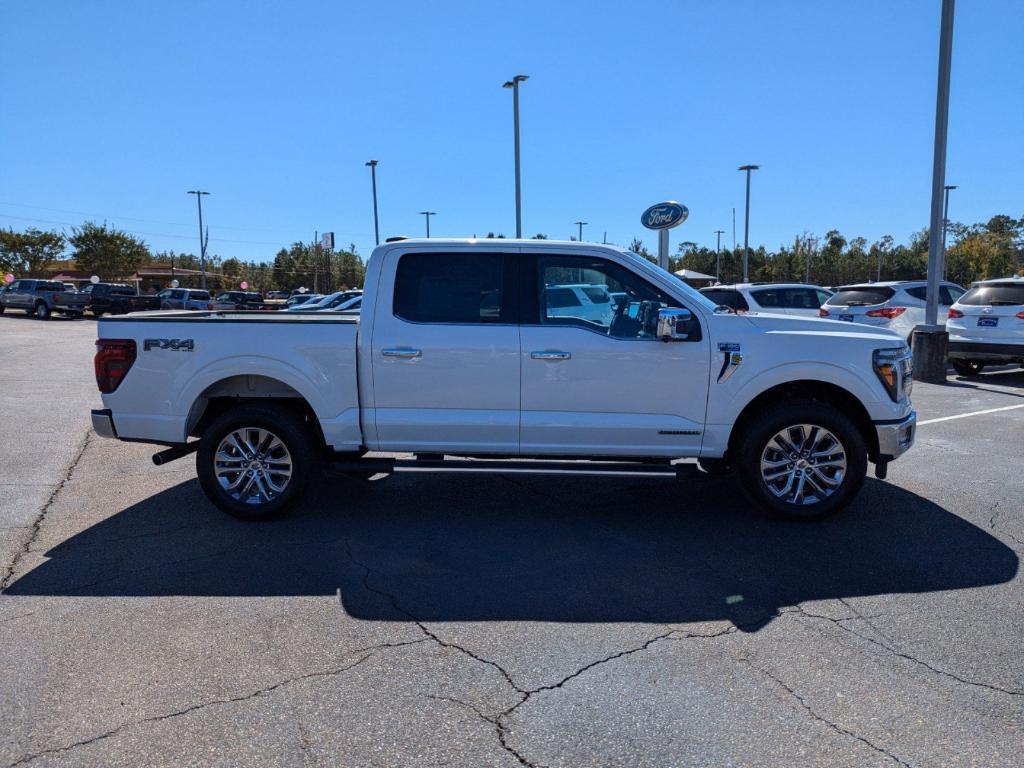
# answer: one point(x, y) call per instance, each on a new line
point(894, 368)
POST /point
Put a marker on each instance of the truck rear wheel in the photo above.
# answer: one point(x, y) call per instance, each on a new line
point(42, 311)
point(255, 461)
point(804, 460)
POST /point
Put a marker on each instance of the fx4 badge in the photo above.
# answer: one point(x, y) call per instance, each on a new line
point(175, 345)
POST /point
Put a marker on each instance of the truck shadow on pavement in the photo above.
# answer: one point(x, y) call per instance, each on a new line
point(444, 548)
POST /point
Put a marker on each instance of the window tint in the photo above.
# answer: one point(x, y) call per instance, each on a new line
point(920, 293)
point(727, 297)
point(597, 295)
point(559, 298)
point(631, 308)
point(861, 296)
point(822, 296)
point(787, 298)
point(122, 290)
point(948, 294)
point(453, 288)
point(199, 295)
point(998, 294)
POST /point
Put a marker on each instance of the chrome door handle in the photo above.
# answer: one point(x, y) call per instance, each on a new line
point(403, 353)
point(550, 354)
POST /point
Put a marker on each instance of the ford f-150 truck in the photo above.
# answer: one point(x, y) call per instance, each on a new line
point(464, 357)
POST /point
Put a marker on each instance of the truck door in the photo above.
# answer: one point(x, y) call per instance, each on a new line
point(445, 353)
point(604, 385)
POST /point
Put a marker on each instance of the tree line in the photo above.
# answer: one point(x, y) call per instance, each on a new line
point(974, 252)
point(103, 250)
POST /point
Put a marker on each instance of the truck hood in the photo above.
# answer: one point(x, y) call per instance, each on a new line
point(805, 325)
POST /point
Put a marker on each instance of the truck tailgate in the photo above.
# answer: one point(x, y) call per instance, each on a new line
point(182, 358)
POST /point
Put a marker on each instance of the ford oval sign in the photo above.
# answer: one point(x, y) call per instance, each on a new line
point(664, 215)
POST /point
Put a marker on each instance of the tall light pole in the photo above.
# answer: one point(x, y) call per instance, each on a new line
point(746, 224)
point(427, 215)
point(580, 224)
point(718, 253)
point(930, 339)
point(514, 85)
point(202, 243)
point(945, 224)
point(373, 176)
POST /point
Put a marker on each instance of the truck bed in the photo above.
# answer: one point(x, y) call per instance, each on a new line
point(185, 358)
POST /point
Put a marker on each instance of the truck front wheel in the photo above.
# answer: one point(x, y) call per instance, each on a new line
point(255, 461)
point(803, 460)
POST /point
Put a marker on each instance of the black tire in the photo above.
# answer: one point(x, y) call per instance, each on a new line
point(41, 310)
point(2, 308)
point(968, 367)
point(757, 444)
point(281, 422)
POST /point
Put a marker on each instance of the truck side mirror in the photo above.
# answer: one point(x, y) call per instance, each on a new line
point(673, 324)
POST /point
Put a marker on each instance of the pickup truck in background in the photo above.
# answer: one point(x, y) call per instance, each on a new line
point(463, 357)
point(106, 299)
point(37, 297)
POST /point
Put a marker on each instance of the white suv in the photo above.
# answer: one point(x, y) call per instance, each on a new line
point(777, 298)
point(591, 302)
point(986, 326)
point(898, 306)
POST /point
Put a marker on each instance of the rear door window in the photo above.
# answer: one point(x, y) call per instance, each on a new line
point(861, 296)
point(727, 297)
point(459, 288)
point(1000, 294)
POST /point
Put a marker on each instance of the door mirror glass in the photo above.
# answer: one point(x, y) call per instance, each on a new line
point(674, 324)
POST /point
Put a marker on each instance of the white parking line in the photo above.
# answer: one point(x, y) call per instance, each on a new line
point(972, 413)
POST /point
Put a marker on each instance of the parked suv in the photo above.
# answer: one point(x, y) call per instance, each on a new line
point(184, 298)
point(986, 326)
point(898, 306)
point(36, 297)
point(778, 298)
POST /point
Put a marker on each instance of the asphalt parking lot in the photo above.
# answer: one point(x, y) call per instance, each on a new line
point(495, 621)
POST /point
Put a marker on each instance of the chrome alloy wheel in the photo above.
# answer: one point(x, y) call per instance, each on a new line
point(252, 465)
point(803, 464)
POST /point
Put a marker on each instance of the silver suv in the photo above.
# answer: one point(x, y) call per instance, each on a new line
point(184, 298)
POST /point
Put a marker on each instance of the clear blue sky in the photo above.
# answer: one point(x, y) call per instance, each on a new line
point(113, 109)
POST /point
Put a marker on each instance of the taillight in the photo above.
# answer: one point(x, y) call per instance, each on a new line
point(822, 312)
point(954, 314)
point(209, 305)
point(55, 297)
point(887, 312)
point(114, 358)
point(1020, 315)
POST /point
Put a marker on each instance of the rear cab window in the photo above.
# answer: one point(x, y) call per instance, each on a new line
point(861, 296)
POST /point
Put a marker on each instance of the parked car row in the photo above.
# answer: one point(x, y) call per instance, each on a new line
point(986, 326)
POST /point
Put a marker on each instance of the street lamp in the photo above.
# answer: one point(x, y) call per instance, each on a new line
point(514, 85)
point(945, 223)
point(202, 243)
point(427, 215)
point(718, 254)
point(373, 175)
point(746, 224)
point(580, 224)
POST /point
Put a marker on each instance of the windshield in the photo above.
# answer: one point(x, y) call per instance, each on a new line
point(692, 294)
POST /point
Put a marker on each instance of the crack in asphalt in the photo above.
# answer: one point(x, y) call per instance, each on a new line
point(996, 513)
point(368, 653)
point(37, 523)
point(944, 673)
point(821, 719)
point(525, 694)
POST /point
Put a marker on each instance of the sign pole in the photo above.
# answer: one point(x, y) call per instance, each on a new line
point(663, 249)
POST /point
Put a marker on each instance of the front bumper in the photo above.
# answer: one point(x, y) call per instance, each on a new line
point(896, 438)
point(103, 423)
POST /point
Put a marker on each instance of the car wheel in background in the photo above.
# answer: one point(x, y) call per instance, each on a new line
point(802, 461)
point(968, 367)
point(42, 311)
point(254, 461)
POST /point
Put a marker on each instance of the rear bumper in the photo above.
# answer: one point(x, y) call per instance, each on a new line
point(103, 423)
point(896, 438)
point(975, 350)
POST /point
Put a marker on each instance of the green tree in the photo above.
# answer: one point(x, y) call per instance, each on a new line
point(29, 253)
point(107, 252)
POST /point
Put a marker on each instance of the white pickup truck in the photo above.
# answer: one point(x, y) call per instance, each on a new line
point(475, 356)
